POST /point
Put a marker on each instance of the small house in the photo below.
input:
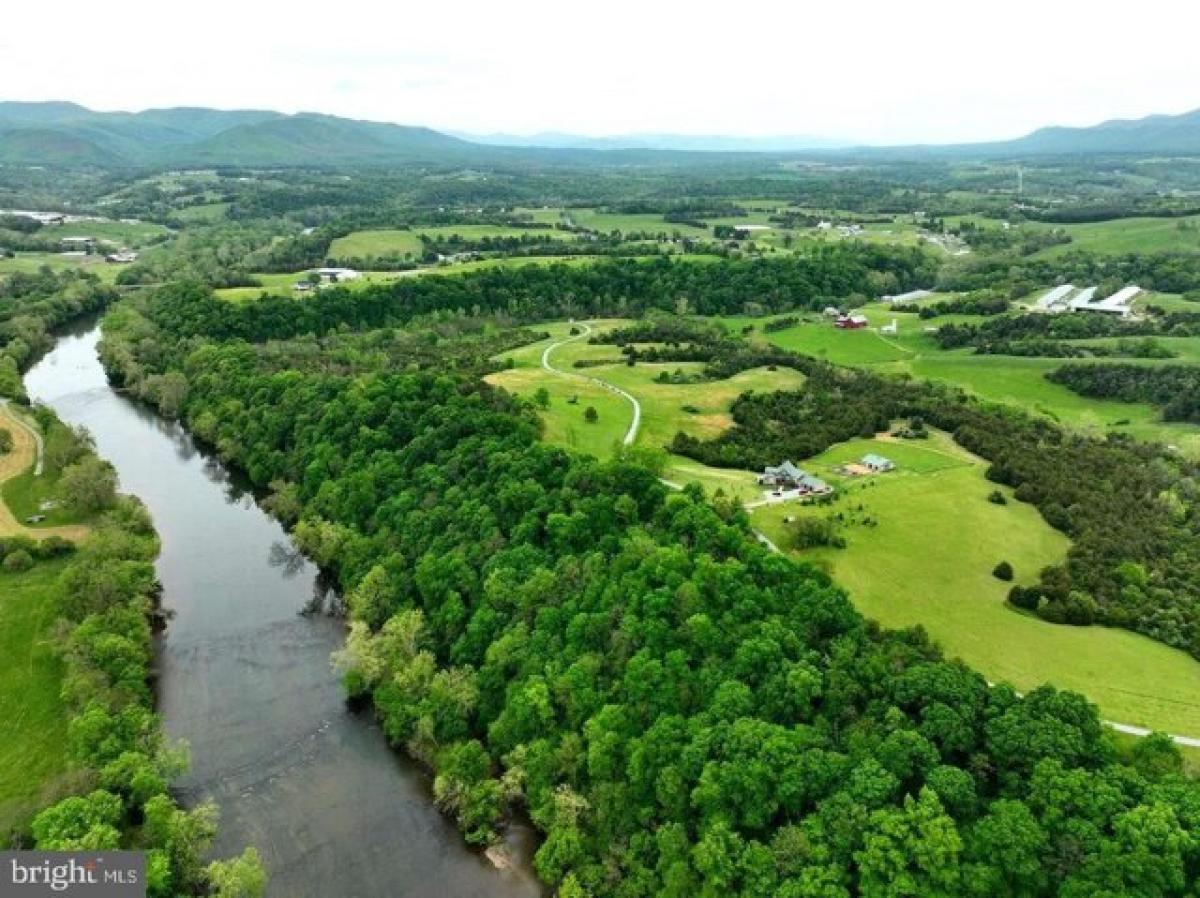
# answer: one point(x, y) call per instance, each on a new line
point(877, 463)
point(893, 328)
point(850, 322)
point(124, 257)
point(302, 286)
point(832, 312)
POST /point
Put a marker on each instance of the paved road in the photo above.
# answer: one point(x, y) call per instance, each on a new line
point(631, 434)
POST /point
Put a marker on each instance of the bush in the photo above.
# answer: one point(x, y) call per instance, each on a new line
point(1003, 571)
point(6, 441)
point(591, 415)
point(997, 498)
point(18, 561)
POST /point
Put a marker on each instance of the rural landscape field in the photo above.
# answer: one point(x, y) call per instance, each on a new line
point(720, 465)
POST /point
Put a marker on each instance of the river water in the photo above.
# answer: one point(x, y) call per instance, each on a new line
point(245, 679)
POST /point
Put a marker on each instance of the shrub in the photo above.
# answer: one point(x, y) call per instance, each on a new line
point(18, 561)
point(1003, 571)
point(997, 498)
point(591, 415)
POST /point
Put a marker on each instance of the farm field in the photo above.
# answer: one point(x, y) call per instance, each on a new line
point(928, 558)
point(31, 262)
point(1013, 380)
point(33, 752)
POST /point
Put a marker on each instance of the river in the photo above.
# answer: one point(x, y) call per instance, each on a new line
point(245, 679)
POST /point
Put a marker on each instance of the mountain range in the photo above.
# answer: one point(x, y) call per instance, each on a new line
point(62, 133)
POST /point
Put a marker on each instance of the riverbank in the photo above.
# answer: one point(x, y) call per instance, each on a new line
point(245, 675)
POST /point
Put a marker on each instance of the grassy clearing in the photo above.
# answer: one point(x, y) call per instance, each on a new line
point(32, 262)
point(21, 492)
point(701, 409)
point(391, 242)
point(33, 752)
point(928, 561)
point(1131, 235)
point(650, 223)
point(126, 233)
point(204, 212)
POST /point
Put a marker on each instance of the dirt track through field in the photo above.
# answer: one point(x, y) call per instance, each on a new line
point(12, 464)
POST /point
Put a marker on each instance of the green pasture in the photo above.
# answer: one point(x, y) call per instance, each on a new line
point(927, 560)
point(33, 752)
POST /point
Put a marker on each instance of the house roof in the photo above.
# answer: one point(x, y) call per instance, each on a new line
point(871, 460)
point(787, 469)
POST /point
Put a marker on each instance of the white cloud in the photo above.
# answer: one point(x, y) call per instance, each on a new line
point(925, 70)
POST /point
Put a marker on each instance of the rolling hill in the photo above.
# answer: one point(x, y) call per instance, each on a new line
point(63, 133)
point(68, 134)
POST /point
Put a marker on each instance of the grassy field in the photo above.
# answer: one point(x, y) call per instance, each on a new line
point(928, 558)
point(700, 409)
point(1008, 379)
point(21, 492)
point(33, 752)
point(125, 233)
point(1130, 235)
point(364, 244)
point(31, 262)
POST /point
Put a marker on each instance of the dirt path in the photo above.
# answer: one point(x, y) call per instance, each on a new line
point(631, 434)
point(26, 454)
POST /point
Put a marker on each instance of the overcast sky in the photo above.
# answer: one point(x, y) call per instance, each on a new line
point(882, 71)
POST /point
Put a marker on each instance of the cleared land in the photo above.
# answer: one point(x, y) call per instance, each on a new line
point(927, 560)
point(700, 409)
point(393, 242)
point(31, 262)
point(33, 752)
point(1130, 235)
point(1013, 380)
point(22, 491)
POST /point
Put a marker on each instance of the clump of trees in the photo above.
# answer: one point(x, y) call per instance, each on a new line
point(1173, 388)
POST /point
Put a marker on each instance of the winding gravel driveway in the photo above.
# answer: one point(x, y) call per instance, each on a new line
point(631, 434)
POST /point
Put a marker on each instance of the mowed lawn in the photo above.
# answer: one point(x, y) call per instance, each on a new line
point(33, 752)
point(928, 561)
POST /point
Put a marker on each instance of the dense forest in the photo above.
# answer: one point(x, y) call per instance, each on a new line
point(1174, 388)
point(680, 711)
